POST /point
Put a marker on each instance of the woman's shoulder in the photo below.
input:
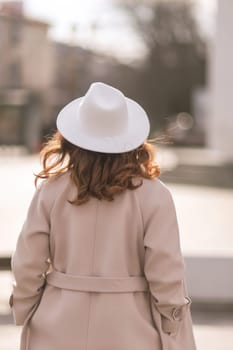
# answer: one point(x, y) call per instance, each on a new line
point(154, 186)
point(54, 184)
point(153, 193)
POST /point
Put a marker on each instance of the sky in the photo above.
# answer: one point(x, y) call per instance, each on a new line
point(114, 35)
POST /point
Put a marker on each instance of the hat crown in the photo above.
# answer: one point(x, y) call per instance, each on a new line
point(103, 111)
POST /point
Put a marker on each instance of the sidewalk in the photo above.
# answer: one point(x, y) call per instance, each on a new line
point(197, 166)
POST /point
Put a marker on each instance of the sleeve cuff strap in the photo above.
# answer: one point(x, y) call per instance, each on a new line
point(178, 314)
point(169, 326)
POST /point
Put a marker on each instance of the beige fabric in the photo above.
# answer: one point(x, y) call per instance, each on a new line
point(134, 238)
point(97, 284)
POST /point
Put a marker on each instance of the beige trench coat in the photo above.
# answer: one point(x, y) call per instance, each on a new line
point(103, 275)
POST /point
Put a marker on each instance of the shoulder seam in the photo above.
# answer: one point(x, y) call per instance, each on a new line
point(140, 207)
point(50, 207)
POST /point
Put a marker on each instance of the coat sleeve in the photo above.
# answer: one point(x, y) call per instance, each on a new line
point(164, 264)
point(30, 260)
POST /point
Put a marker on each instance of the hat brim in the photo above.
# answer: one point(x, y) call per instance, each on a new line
point(136, 133)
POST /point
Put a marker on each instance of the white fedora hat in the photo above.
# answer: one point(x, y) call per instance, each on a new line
point(104, 120)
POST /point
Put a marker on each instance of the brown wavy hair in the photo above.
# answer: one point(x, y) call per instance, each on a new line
point(101, 175)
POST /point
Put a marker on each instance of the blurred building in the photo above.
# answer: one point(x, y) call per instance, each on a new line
point(38, 76)
point(220, 121)
point(26, 75)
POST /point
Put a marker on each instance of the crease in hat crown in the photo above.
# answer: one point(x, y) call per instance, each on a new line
point(103, 111)
point(104, 120)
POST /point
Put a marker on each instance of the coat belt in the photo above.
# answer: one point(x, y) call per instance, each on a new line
point(97, 284)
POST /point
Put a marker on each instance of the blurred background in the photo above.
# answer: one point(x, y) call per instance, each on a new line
point(175, 58)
